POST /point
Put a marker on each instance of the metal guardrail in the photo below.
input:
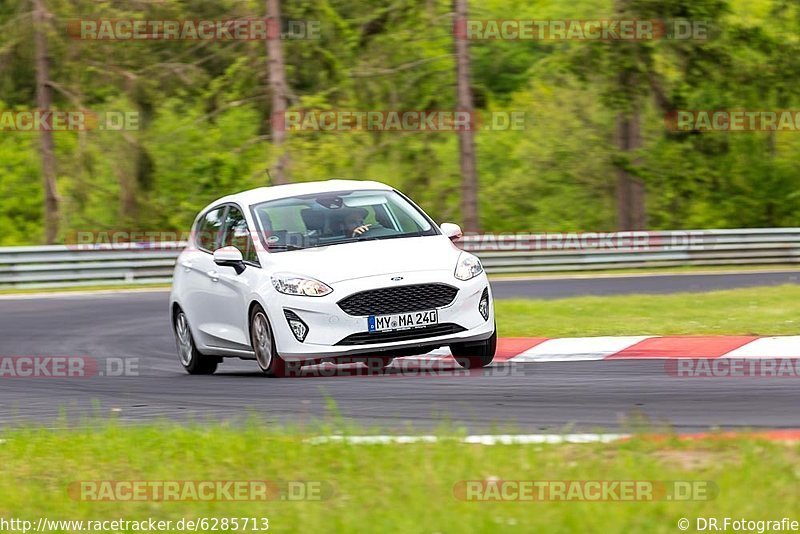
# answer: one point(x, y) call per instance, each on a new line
point(63, 265)
point(66, 266)
point(531, 253)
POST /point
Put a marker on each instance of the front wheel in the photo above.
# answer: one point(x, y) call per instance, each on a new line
point(476, 354)
point(192, 360)
point(264, 344)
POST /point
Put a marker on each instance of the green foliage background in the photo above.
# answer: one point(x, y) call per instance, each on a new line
point(205, 109)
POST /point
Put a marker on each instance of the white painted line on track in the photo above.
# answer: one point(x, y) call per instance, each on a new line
point(477, 439)
point(371, 440)
point(768, 347)
point(577, 348)
point(535, 439)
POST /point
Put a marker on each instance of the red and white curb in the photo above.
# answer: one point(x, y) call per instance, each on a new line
point(635, 347)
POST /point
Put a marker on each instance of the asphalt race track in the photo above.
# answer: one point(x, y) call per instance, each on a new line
point(537, 397)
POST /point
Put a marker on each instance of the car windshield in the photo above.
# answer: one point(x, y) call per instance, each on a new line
point(334, 218)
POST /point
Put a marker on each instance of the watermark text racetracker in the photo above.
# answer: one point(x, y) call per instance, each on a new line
point(496, 490)
point(733, 120)
point(38, 366)
point(630, 240)
point(351, 120)
point(200, 490)
point(247, 29)
point(414, 367)
point(38, 120)
point(581, 30)
point(733, 367)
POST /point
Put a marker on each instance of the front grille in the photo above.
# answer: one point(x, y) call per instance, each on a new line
point(365, 338)
point(400, 299)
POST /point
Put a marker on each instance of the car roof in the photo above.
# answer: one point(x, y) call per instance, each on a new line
point(262, 194)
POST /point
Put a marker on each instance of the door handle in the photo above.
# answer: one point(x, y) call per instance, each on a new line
point(214, 275)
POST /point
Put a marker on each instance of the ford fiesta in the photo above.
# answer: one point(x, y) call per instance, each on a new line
point(326, 271)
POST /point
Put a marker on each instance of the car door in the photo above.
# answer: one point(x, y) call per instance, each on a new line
point(195, 263)
point(230, 291)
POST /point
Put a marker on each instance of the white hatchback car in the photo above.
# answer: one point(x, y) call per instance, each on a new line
point(326, 271)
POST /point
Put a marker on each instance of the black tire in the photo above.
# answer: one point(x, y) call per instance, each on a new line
point(477, 354)
point(263, 343)
point(191, 359)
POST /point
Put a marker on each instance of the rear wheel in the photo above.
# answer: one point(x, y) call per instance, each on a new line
point(263, 342)
point(192, 360)
point(476, 354)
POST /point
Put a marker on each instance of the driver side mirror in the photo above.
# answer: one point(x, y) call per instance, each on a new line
point(229, 257)
point(452, 231)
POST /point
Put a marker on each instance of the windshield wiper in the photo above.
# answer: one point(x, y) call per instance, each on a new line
point(284, 247)
point(349, 240)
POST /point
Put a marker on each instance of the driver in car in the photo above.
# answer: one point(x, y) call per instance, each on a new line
point(353, 223)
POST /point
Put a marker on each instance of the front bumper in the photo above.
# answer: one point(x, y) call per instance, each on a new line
point(329, 325)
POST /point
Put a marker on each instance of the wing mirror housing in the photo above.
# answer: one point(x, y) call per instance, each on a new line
point(452, 231)
point(229, 257)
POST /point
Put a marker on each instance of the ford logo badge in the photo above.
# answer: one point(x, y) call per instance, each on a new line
point(396, 278)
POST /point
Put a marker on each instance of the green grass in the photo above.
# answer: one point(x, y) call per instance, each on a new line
point(756, 311)
point(70, 289)
point(388, 488)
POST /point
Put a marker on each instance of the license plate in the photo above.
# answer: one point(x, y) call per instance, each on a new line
point(399, 321)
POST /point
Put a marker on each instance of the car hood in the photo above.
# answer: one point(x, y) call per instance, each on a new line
point(349, 261)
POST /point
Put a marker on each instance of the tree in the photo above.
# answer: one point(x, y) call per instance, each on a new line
point(279, 89)
point(631, 213)
point(44, 99)
point(466, 136)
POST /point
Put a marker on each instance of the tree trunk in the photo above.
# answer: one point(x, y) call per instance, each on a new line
point(280, 92)
point(44, 100)
point(466, 137)
point(631, 214)
point(127, 188)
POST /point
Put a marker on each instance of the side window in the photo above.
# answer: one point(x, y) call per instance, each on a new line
point(208, 230)
point(238, 235)
point(406, 222)
point(409, 219)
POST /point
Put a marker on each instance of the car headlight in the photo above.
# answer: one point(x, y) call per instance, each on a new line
point(468, 266)
point(292, 284)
